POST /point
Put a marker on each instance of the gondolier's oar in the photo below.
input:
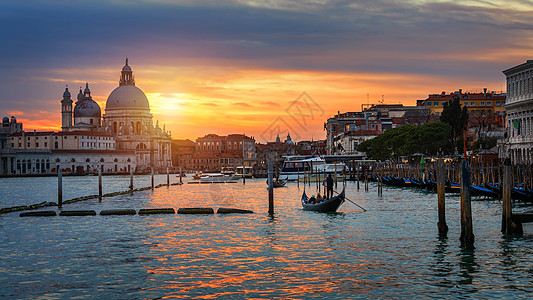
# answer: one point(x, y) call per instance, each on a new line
point(352, 202)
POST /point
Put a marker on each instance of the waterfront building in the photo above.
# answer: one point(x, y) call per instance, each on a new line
point(376, 118)
point(486, 111)
point(214, 152)
point(318, 147)
point(123, 138)
point(276, 150)
point(127, 117)
point(9, 126)
point(182, 154)
point(347, 141)
point(77, 152)
point(518, 142)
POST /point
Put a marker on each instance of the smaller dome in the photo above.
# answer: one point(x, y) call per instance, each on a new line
point(87, 108)
point(5, 120)
point(66, 93)
point(87, 90)
point(80, 95)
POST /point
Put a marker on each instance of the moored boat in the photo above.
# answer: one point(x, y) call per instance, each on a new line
point(218, 178)
point(297, 167)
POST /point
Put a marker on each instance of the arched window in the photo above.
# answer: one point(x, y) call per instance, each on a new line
point(138, 127)
point(87, 160)
point(101, 160)
point(115, 127)
point(72, 160)
point(116, 160)
point(56, 145)
point(57, 160)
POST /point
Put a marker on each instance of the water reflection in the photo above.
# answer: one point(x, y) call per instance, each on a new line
point(442, 267)
point(390, 251)
point(468, 266)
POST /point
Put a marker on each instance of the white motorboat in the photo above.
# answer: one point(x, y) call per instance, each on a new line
point(218, 177)
point(295, 167)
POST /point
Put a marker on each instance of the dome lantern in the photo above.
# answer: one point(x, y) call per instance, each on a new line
point(127, 95)
point(126, 76)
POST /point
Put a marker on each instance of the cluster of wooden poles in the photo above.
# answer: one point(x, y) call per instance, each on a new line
point(506, 176)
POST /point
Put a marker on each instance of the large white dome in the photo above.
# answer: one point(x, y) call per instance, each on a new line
point(127, 96)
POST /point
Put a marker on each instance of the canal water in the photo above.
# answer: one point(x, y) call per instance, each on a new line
point(392, 250)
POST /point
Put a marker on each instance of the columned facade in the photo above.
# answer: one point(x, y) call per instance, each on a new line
point(518, 145)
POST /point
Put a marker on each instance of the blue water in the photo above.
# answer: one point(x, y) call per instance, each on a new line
point(390, 251)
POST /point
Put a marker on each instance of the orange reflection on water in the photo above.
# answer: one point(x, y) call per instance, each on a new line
point(247, 255)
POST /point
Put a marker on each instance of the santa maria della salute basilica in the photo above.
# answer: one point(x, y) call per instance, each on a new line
point(124, 137)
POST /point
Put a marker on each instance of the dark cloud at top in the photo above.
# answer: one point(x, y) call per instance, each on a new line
point(362, 36)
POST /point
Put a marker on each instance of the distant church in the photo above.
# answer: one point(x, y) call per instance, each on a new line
point(127, 117)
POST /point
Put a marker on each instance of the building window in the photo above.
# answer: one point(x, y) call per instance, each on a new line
point(466, 104)
point(437, 113)
point(37, 145)
point(472, 104)
point(56, 145)
point(489, 103)
point(45, 144)
point(28, 145)
point(497, 103)
point(435, 103)
point(482, 103)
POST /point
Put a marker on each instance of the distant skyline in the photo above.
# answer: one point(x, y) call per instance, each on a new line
point(237, 66)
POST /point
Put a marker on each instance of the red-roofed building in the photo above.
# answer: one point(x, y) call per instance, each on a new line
point(486, 111)
point(214, 152)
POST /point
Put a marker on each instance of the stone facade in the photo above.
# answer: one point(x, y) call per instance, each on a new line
point(518, 142)
point(214, 152)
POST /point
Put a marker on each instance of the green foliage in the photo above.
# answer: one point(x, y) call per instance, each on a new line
point(456, 117)
point(486, 143)
point(409, 139)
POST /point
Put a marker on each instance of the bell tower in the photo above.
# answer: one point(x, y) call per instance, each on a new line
point(66, 111)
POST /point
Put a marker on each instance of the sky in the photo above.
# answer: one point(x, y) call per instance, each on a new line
point(261, 68)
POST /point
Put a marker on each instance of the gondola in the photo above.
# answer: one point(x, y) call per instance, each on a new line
point(276, 183)
point(329, 205)
point(279, 183)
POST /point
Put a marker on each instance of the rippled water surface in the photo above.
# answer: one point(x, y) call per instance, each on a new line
point(390, 251)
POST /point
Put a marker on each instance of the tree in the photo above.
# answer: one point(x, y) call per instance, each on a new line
point(408, 139)
point(456, 117)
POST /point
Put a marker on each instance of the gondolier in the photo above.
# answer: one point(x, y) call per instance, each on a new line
point(329, 186)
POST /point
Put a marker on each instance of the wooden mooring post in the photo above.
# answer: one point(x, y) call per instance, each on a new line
point(152, 177)
point(441, 181)
point(181, 181)
point(59, 187)
point(270, 189)
point(507, 207)
point(467, 233)
point(99, 182)
point(131, 178)
point(357, 176)
point(365, 174)
point(168, 178)
point(380, 183)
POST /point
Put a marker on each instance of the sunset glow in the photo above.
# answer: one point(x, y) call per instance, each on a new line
point(236, 67)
